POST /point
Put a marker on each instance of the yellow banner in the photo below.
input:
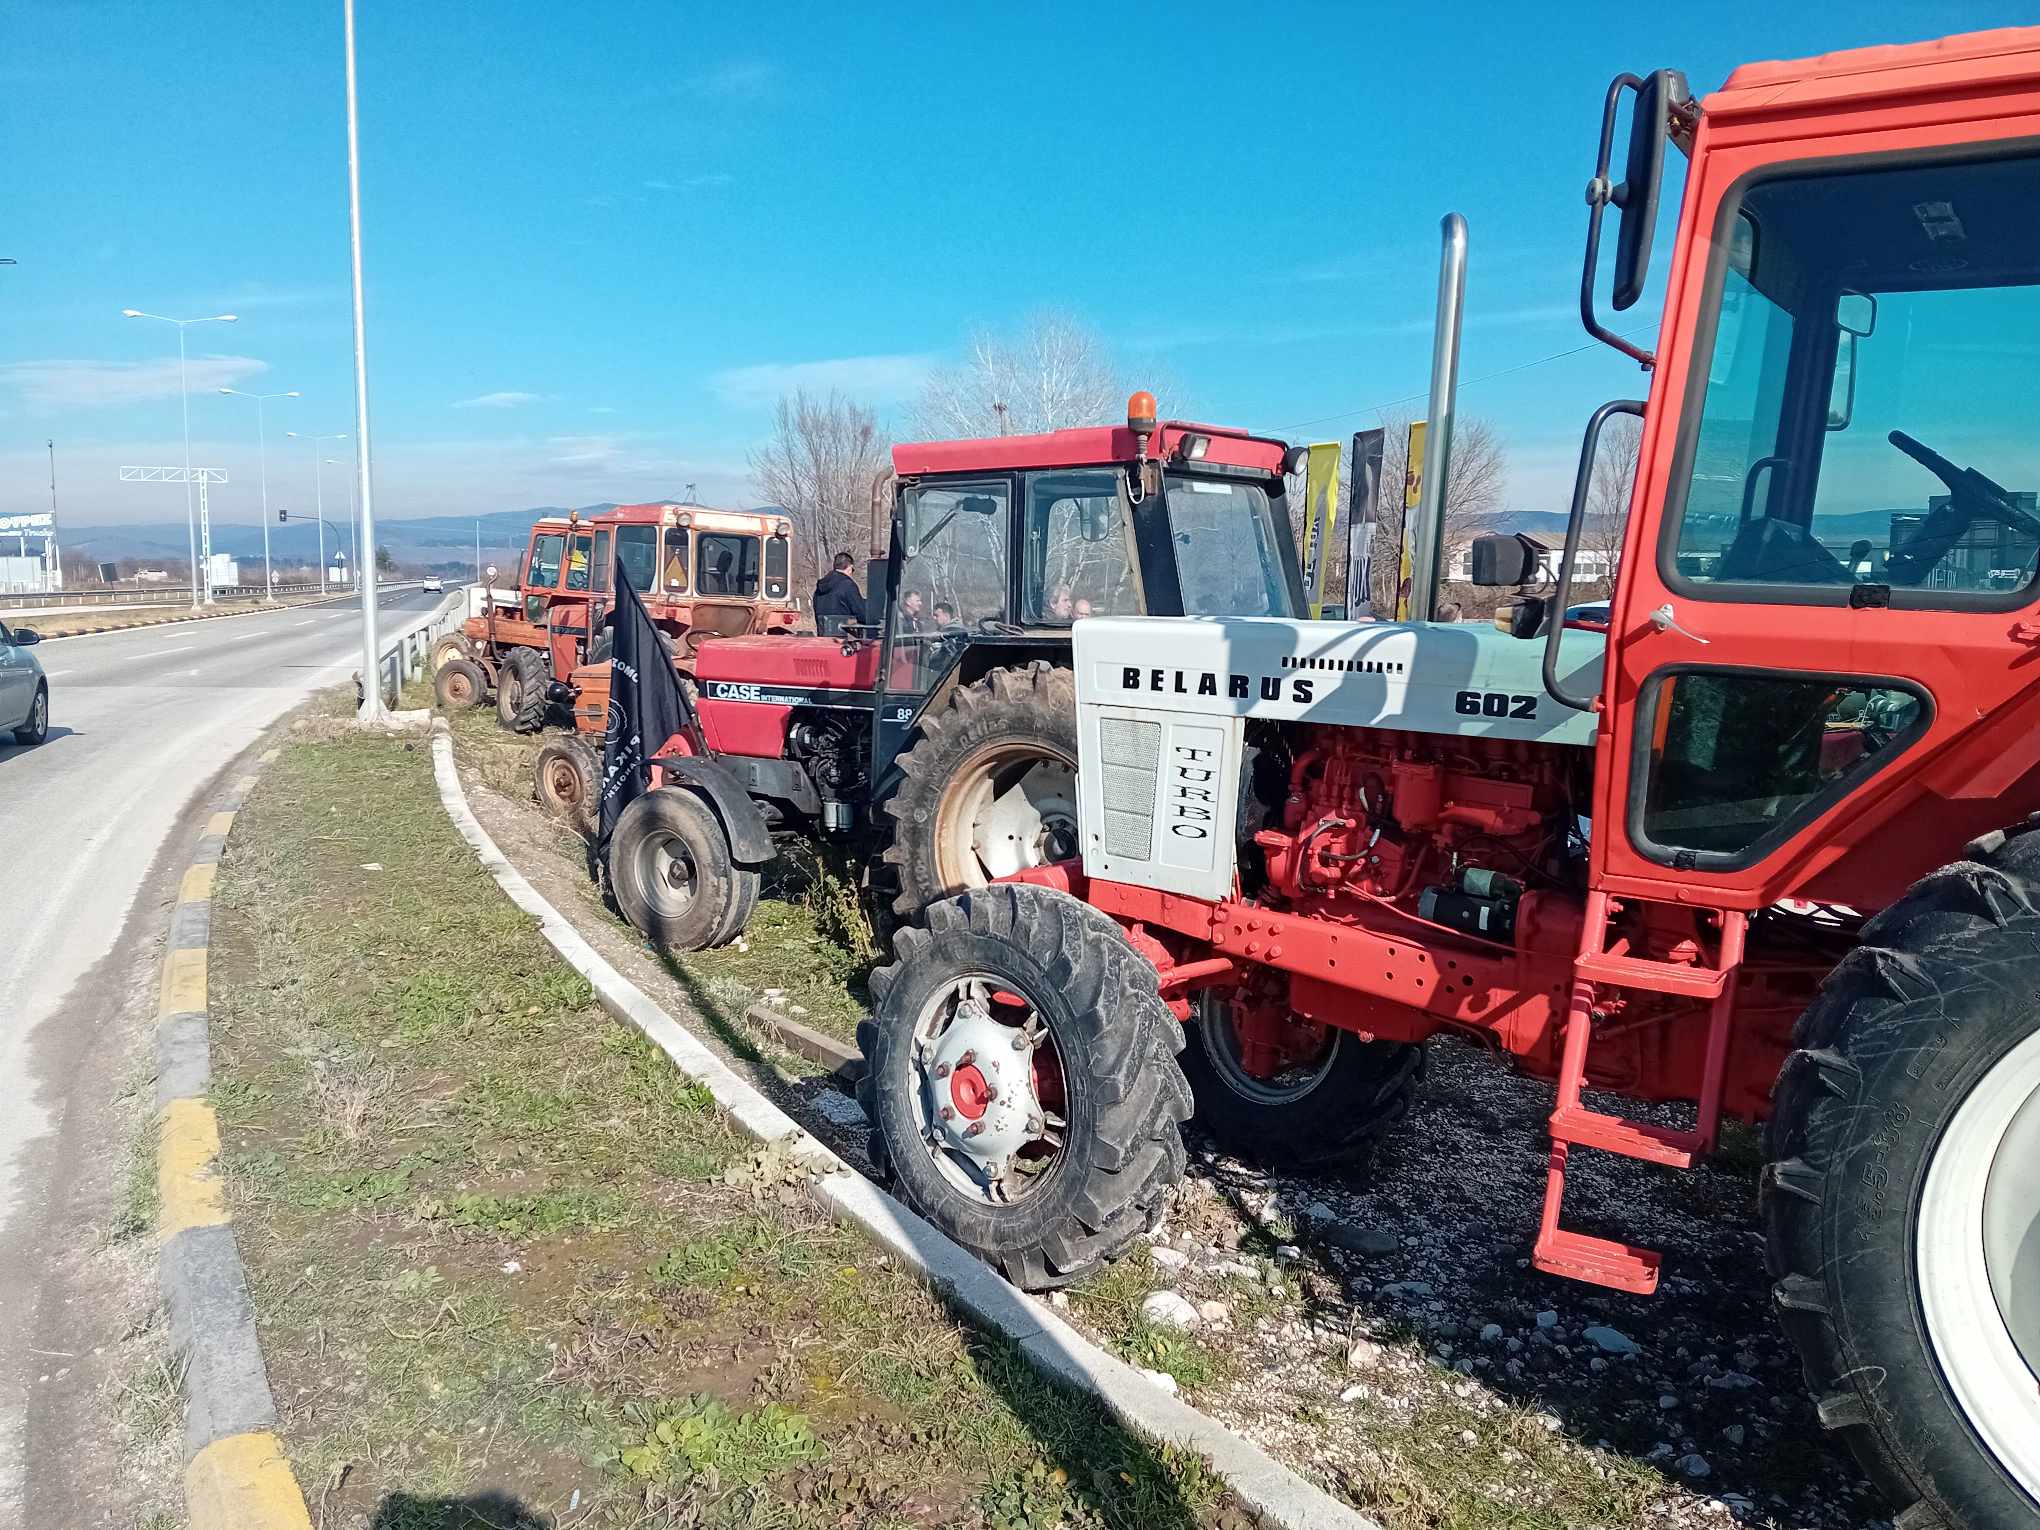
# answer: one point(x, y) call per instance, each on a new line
point(1412, 496)
point(1320, 519)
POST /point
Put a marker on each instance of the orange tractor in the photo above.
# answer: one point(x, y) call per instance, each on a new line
point(702, 573)
point(1769, 846)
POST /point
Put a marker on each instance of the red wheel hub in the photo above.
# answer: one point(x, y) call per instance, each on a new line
point(969, 1092)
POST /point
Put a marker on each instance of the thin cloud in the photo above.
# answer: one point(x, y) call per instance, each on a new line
point(737, 80)
point(498, 401)
point(869, 379)
point(87, 384)
point(711, 181)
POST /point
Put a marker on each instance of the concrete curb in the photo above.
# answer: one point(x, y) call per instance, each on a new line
point(1270, 1489)
point(235, 1474)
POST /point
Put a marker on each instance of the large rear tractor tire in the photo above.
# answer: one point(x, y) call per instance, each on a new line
point(671, 874)
point(567, 778)
point(458, 684)
point(1902, 1197)
point(1022, 1082)
point(520, 691)
point(990, 788)
point(1328, 1107)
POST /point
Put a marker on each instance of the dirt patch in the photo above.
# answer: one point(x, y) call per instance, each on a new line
point(1380, 1332)
point(509, 1269)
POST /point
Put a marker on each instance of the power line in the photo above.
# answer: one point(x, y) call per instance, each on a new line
point(1407, 398)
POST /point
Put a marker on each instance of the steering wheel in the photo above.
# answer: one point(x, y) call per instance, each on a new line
point(1972, 493)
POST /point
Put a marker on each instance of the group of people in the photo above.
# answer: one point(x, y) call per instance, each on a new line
point(839, 605)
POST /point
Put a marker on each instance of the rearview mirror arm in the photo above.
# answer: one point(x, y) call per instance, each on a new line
point(1574, 520)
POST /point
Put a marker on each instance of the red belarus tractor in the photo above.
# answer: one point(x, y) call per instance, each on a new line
point(702, 573)
point(941, 740)
point(1769, 846)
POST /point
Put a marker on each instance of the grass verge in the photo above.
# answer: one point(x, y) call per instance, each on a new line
point(510, 1269)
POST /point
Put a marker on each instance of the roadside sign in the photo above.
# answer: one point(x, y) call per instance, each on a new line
point(1320, 519)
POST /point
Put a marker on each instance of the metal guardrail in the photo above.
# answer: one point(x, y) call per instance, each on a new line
point(405, 655)
point(15, 600)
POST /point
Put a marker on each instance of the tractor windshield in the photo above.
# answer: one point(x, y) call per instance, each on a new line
point(1226, 549)
point(635, 546)
point(727, 563)
point(1866, 395)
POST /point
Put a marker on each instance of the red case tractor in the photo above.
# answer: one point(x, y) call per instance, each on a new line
point(941, 740)
point(1767, 846)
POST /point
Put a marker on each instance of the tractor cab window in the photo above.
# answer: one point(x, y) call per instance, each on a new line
point(637, 551)
point(953, 576)
point(1227, 557)
point(727, 563)
point(1865, 413)
point(778, 568)
point(1077, 564)
point(674, 561)
point(600, 569)
point(580, 560)
point(543, 570)
point(1736, 760)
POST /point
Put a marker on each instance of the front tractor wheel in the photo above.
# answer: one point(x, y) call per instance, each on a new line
point(568, 775)
point(454, 645)
point(671, 873)
point(1022, 1082)
point(1285, 1092)
point(990, 788)
point(458, 685)
point(1902, 1197)
point(520, 691)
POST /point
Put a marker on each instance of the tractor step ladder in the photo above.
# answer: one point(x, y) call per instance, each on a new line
point(1604, 1261)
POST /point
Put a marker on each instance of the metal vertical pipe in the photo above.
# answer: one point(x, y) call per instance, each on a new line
point(190, 522)
point(319, 510)
point(1427, 547)
point(262, 435)
point(371, 670)
point(56, 555)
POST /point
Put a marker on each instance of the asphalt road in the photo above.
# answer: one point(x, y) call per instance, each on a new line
point(140, 721)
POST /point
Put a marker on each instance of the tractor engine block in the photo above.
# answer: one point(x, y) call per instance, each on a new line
point(1443, 827)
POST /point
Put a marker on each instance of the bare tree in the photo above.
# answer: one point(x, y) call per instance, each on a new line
point(1053, 374)
point(1608, 495)
point(1475, 495)
point(819, 467)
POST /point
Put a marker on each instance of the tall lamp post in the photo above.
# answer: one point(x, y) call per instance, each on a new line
point(184, 391)
point(353, 551)
point(319, 487)
point(262, 435)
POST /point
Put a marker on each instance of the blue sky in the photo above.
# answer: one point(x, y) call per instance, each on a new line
point(602, 238)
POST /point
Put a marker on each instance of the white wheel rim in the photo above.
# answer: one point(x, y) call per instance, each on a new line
point(666, 873)
point(1978, 1258)
point(1222, 1050)
point(995, 1142)
point(997, 825)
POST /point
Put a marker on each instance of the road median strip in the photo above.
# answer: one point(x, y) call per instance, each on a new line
point(235, 1475)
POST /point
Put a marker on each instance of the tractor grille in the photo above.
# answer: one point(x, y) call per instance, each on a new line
point(1131, 754)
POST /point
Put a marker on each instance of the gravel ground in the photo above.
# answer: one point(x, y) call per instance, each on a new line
point(1383, 1331)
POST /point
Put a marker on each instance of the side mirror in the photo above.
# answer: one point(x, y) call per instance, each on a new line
point(1504, 561)
point(1522, 618)
point(1856, 314)
point(1636, 198)
point(491, 571)
point(26, 637)
point(1100, 519)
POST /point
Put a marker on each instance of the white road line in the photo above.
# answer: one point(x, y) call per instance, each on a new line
point(158, 652)
point(305, 623)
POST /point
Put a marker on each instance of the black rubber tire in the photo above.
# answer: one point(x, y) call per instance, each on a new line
point(746, 882)
point(686, 819)
point(1945, 982)
point(1126, 1096)
point(566, 777)
point(520, 691)
point(1009, 708)
point(1338, 1124)
point(37, 728)
point(459, 684)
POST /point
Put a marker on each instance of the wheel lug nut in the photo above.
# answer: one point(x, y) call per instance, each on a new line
point(949, 1112)
point(974, 1129)
point(942, 1070)
point(967, 1059)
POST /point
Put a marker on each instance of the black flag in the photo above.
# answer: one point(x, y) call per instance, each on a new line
point(646, 707)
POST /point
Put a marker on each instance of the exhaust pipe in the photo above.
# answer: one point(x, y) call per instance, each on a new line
point(1427, 538)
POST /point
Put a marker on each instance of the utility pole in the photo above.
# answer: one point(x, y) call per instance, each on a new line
point(262, 435)
point(478, 549)
point(371, 667)
point(56, 556)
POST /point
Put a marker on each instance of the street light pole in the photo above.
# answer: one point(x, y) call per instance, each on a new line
point(371, 666)
point(262, 435)
point(319, 486)
point(184, 393)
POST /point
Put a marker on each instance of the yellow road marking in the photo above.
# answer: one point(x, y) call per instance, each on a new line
point(219, 823)
point(185, 1180)
point(183, 982)
point(197, 884)
point(243, 1482)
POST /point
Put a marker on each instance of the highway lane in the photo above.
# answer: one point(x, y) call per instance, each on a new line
point(140, 721)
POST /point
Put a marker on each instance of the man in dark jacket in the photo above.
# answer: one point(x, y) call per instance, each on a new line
point(837, 599)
